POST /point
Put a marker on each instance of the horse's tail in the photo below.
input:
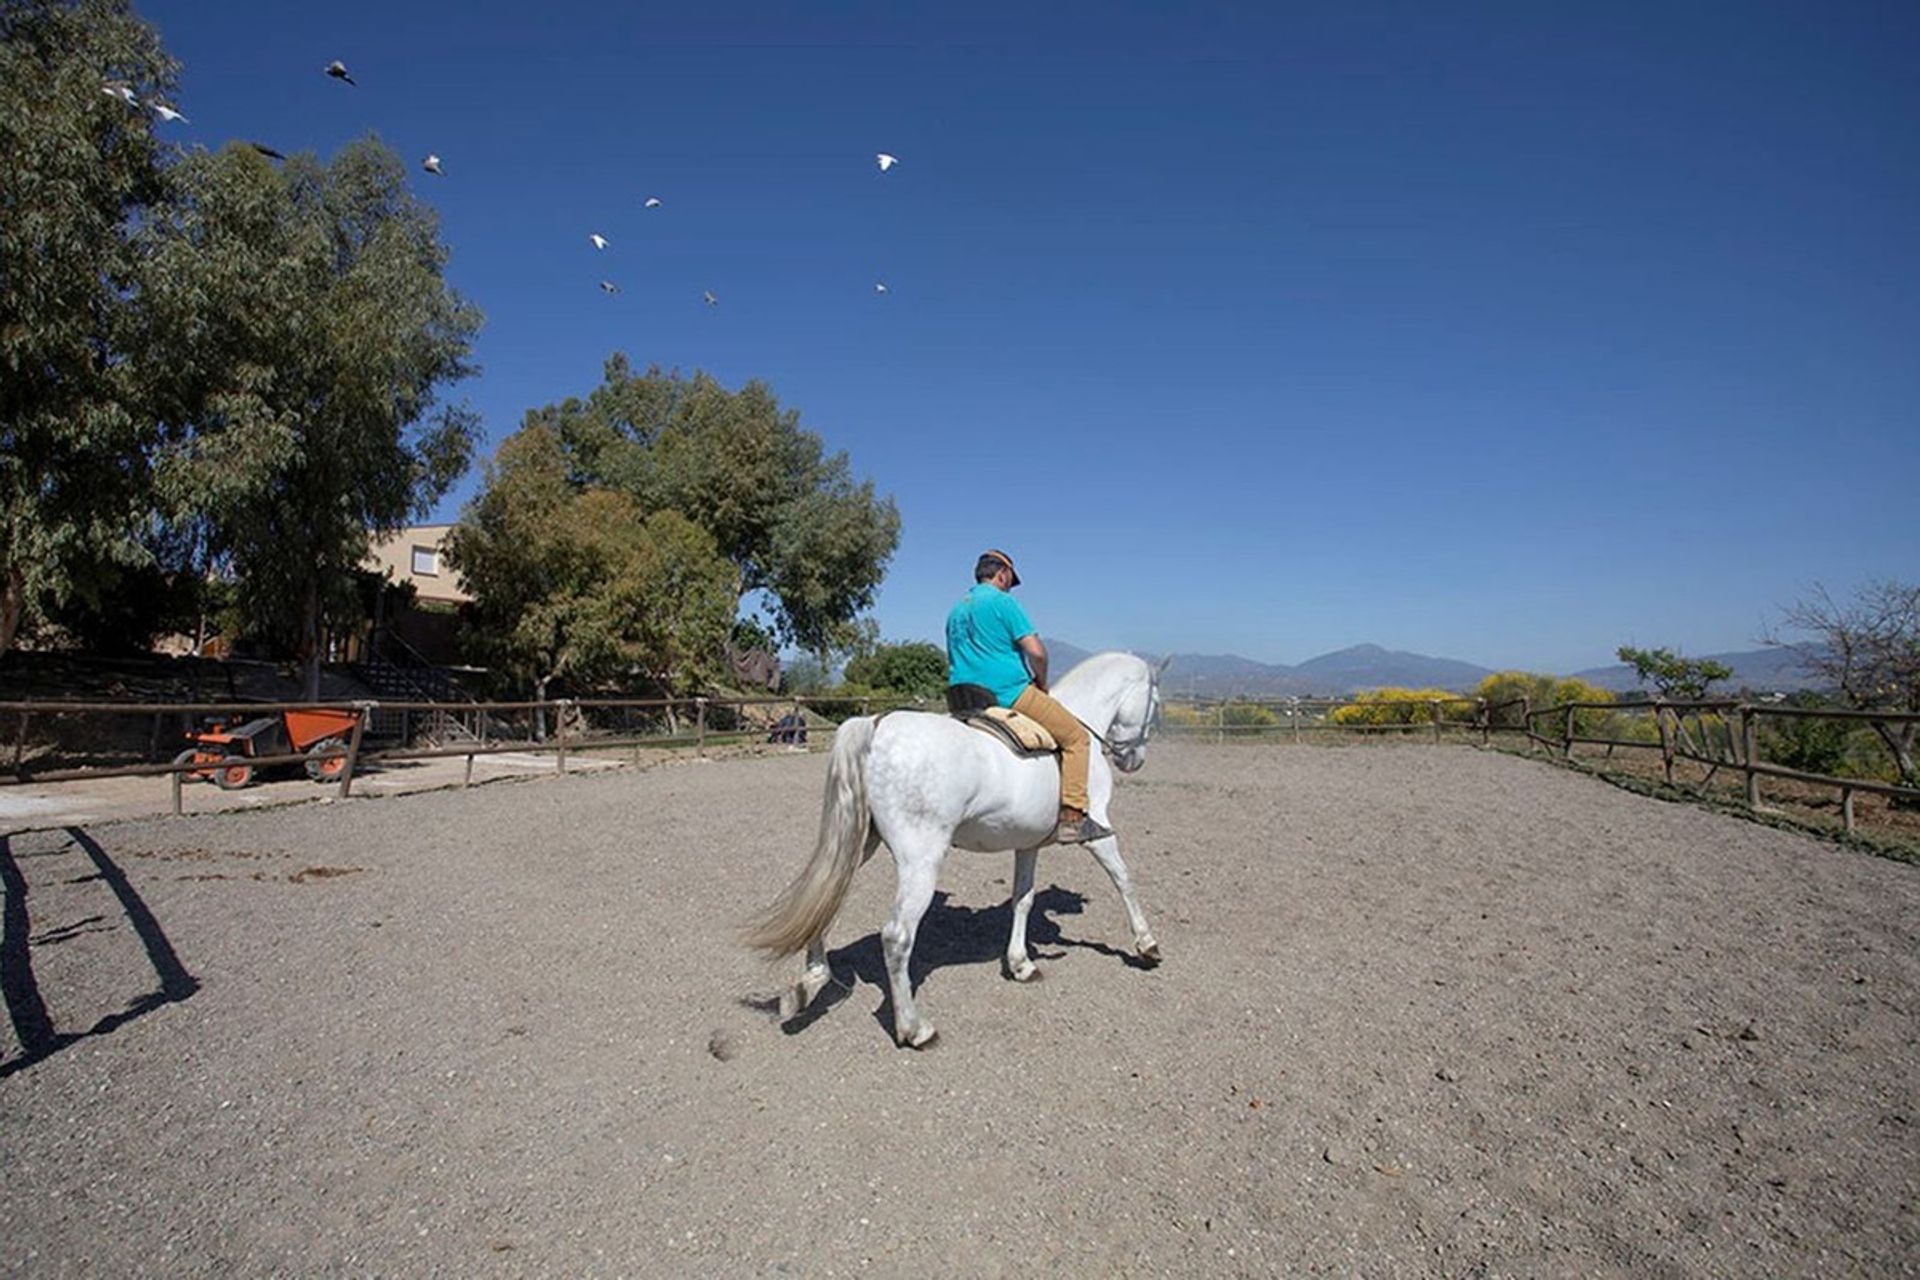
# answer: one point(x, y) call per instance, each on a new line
point(806, 907)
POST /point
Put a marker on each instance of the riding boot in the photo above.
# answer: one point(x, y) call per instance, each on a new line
point(1075, 827)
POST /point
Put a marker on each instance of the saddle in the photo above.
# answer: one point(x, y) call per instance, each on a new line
point(977, 708)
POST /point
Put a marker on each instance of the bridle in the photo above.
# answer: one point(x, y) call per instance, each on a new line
point(1137, 742)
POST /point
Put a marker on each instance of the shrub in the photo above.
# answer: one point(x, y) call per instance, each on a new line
point(1399, 706)
point(1245, 715)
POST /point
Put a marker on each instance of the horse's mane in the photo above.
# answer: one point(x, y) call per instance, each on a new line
point(1088, 668)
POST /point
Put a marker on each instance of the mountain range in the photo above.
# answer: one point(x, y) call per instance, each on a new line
point(1369, 666)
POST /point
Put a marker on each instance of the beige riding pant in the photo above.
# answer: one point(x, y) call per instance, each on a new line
point(1075, 742)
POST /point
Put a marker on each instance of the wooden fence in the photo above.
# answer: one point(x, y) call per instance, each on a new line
point(691, 722)
point(1681, 731)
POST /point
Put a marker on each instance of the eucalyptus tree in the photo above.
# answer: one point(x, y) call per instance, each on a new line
point(576, 582)
point(308, 329)
point(788, 516)
point(79, 166)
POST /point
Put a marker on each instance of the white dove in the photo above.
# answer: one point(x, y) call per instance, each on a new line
point(119, 89)
point(607, 286)
point(432, 164)
point(167, 113)
point(338, 70)
point(652, 202)
point(711, 300)
point(599, 241)
point(886, 161)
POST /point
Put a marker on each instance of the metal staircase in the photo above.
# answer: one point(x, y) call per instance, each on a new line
point(395, 671)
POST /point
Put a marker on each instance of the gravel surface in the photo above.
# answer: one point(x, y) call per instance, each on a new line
point(1425, 1011)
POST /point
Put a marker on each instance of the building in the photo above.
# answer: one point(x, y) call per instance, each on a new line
point(428, 629)
point(417, 555)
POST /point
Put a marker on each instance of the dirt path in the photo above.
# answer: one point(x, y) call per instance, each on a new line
point(1424, 1012)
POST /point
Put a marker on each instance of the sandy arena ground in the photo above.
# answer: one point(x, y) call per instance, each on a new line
point(1425, 1011)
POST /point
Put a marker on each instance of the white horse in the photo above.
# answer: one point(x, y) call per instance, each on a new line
point(922, 782)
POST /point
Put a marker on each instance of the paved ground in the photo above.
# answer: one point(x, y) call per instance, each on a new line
point(1425, 1011)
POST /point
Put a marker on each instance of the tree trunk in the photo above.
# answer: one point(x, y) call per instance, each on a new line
point(310, 639)
point(13, 605)
point(1899, 740)
point(540, 713)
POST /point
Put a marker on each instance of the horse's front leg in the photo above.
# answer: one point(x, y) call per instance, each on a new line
point(1107, 853)
point(1019, 966)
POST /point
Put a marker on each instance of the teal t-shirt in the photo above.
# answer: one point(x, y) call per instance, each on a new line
point(981, 632)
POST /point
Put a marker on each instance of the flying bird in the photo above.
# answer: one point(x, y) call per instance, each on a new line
point(879, 286)
point(338, 70)
point(599, 241)
point(119, 89)
point(711, 300)
point(431, 164)
point(266, 151)
point(653, 202)
point(886, 161)
point(607, 286)
point(168, 114)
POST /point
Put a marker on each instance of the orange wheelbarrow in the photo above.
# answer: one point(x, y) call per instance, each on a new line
point(228, 753)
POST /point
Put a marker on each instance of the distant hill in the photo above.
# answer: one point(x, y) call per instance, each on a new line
point(1752, 669)
point(1363, 666)
point(1369, 666)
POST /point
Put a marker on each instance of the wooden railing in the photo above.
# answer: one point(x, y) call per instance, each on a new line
point(689, 724)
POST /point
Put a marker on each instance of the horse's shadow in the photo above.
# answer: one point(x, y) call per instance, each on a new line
point(949, 934)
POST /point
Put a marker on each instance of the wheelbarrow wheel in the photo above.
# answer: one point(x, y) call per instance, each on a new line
point(232, 773)
point(194, 755)
point(322, 767)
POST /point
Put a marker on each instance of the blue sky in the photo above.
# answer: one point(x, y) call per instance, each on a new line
point(1504, 332)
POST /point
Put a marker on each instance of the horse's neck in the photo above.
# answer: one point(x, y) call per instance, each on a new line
point(1095, 698)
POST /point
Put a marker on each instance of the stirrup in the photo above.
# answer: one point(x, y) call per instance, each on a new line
point(1081, 830)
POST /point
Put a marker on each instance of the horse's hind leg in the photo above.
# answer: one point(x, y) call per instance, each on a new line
point(1019, 966)
point(1107, 853)
point(919, 867)
point(814, 979)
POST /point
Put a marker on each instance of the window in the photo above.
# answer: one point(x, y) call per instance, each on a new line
point(426, 562)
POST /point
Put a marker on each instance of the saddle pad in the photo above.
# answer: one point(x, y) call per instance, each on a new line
point(1016, 730)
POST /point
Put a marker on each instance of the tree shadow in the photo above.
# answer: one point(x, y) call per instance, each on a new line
point(33, 1025)
point(949, 934)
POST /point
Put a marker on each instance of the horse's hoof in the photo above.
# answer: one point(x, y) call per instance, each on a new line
point(1032, 973)
point(1150, 955)
point(927, 1038)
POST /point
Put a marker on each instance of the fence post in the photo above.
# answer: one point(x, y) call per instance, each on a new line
point(1749, 736)
point(1293, 714)
point(176, 779)
point(700, 726)
point(1220, 725)
point(1846, 808)
point(1566, 736)
point(1485, 717)
point(1435, 706)
point(353, 752)
point(1666, 737)
point(20, 741)
point(560, 714)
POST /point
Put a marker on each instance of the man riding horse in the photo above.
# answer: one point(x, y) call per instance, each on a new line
point(994, 652)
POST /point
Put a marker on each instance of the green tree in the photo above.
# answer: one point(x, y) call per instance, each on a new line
point(307, 328)
point(913, 669)
point(788, 516)
point(78, 167)
point(1867, 650)
point(1673, 676)
point(577, 583)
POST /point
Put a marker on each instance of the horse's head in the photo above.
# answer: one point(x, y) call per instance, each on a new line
point(1137, 717)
